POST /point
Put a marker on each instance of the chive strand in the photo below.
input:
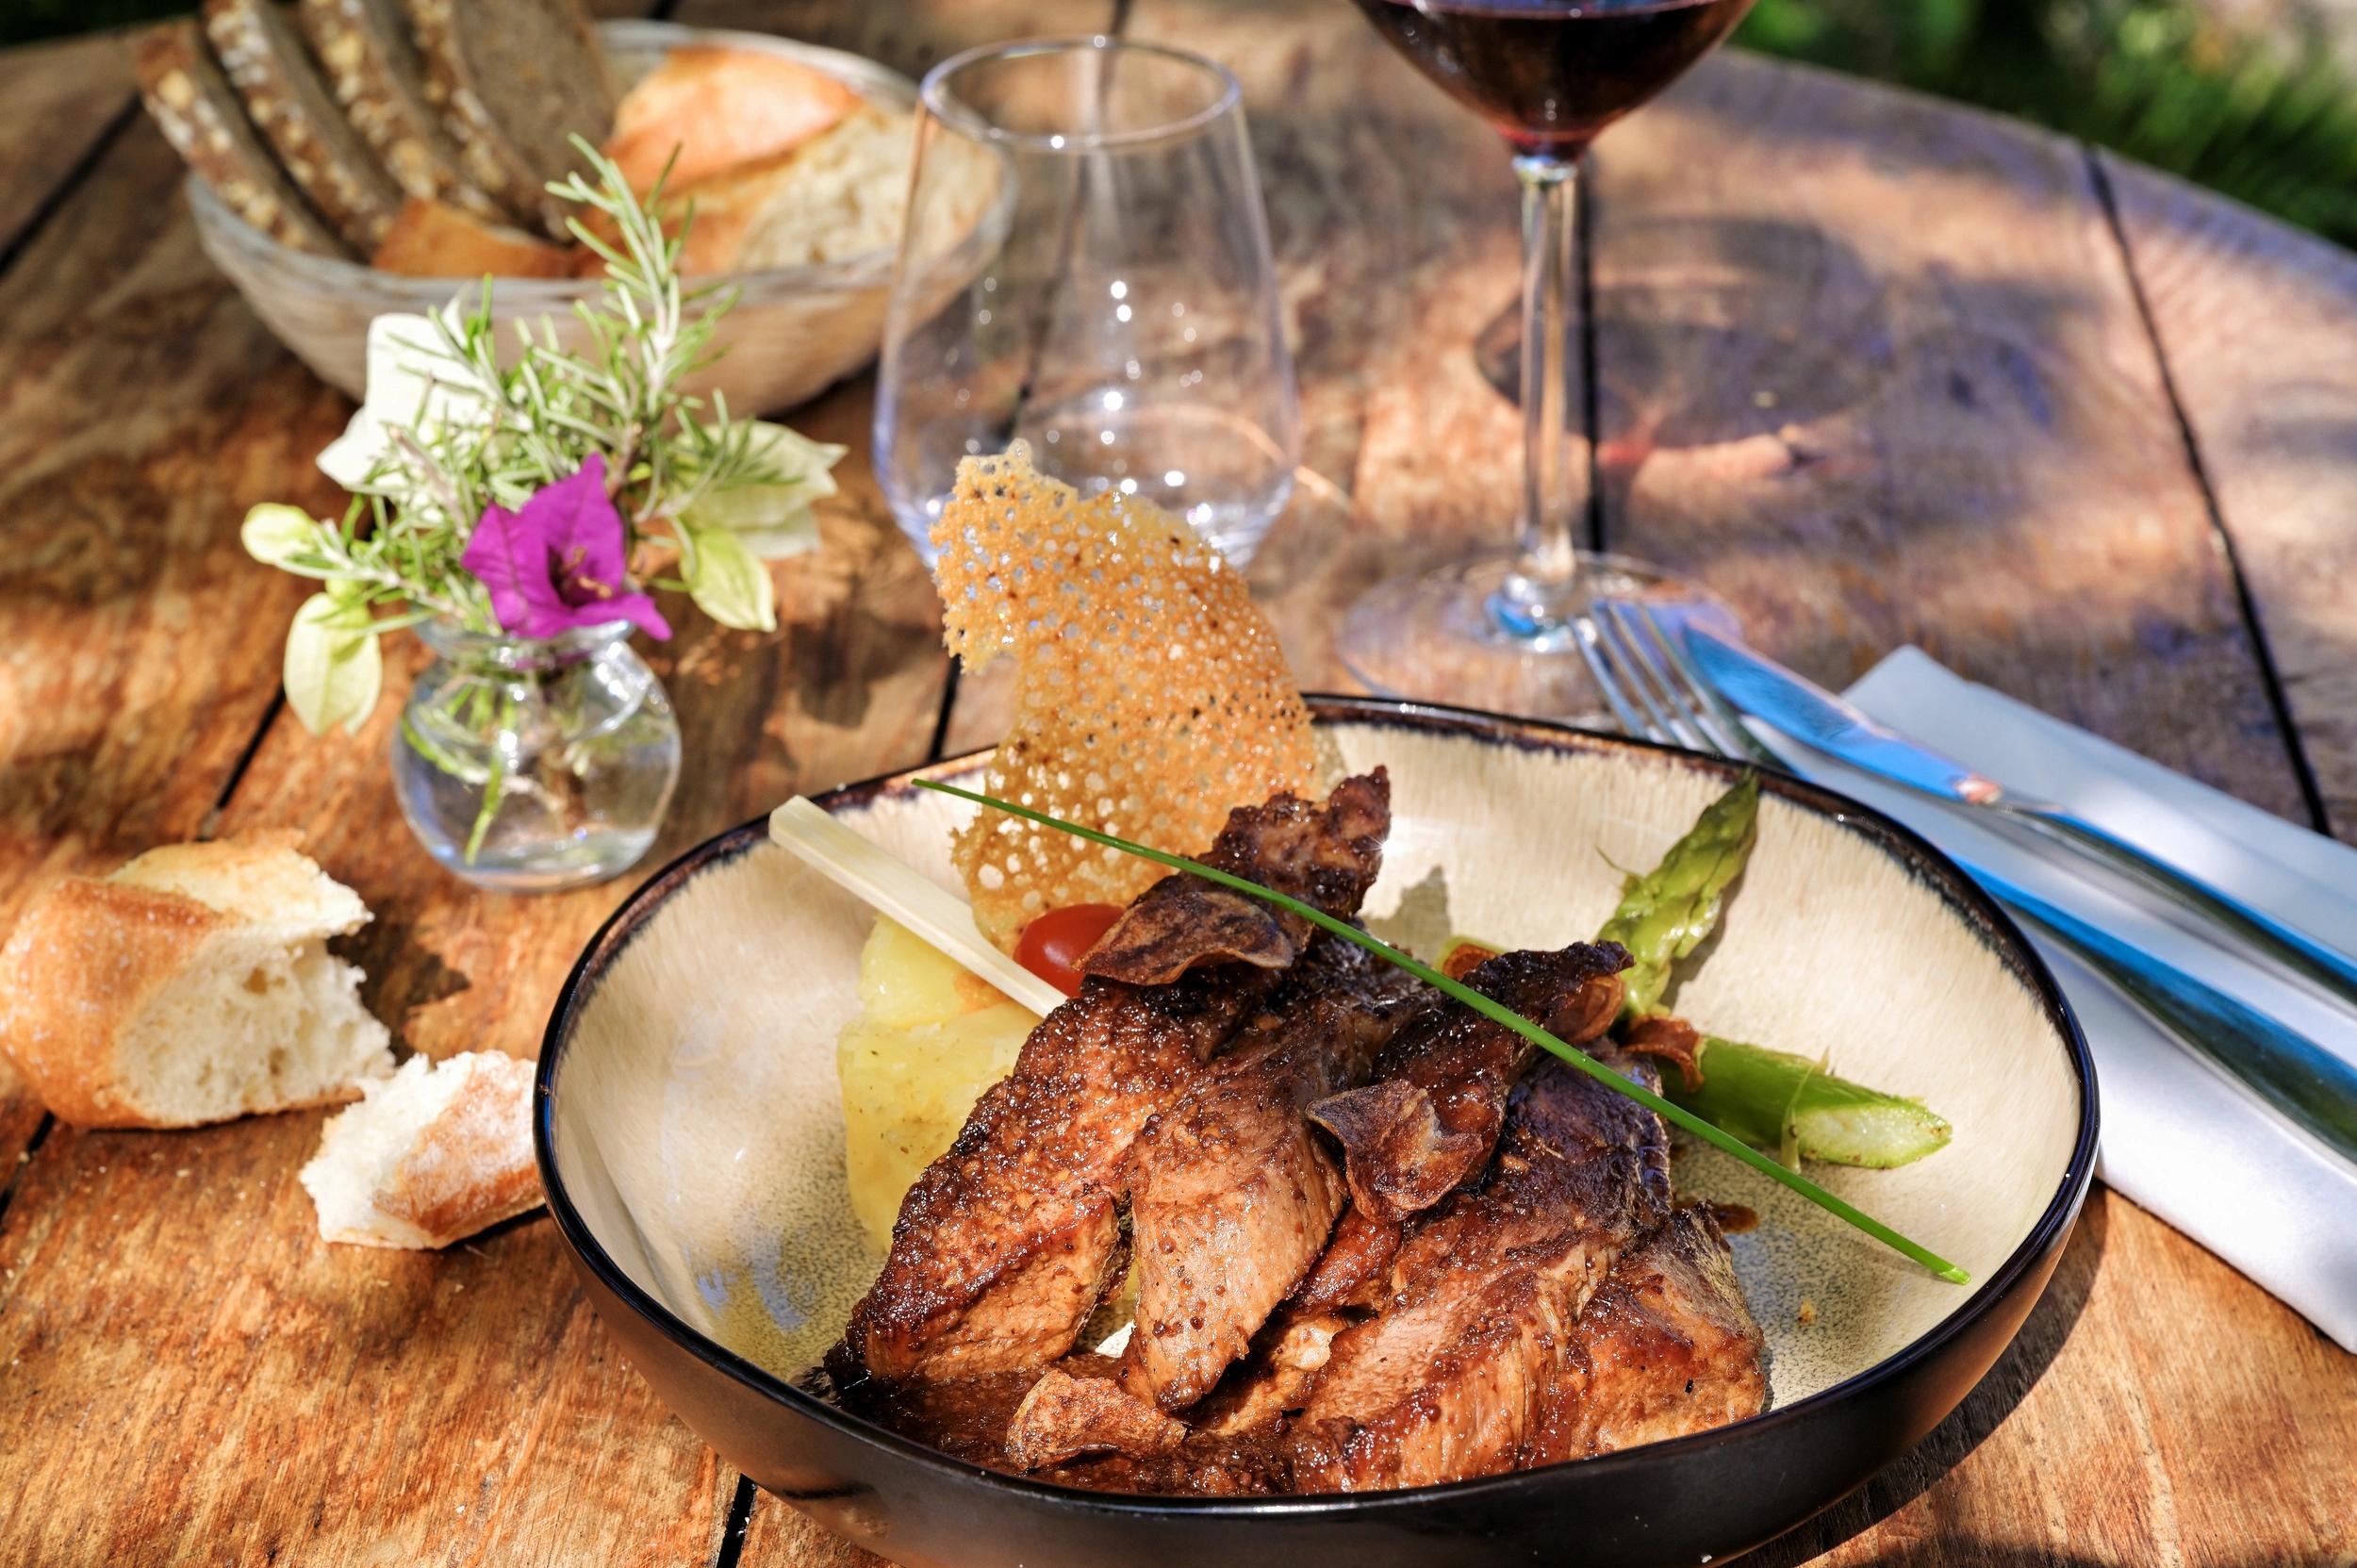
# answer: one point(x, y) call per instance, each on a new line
point(1458, 991)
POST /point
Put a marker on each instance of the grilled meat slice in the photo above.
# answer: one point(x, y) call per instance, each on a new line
point(1431, 1116)
point(1231, 1194)
point(1668, 1348)
point(1355, 1270)
point(1067, 1415)
point(1325, 854)
point(1006, 1243)
point(1457, 1372)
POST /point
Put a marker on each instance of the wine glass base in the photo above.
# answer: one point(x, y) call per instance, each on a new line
point(1435, 636)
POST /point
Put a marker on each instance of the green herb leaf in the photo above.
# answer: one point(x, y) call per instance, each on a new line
point(1577, 1058)
point(334, 668)
point(726, 582)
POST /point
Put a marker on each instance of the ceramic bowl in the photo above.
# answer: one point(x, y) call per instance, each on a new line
point(690, 1140)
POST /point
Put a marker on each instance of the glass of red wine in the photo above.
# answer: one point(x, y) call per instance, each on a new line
point(1504, 632)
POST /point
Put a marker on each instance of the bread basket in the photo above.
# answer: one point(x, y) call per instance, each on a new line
point(794, 331)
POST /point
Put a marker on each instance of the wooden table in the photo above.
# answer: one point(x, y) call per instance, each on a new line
point(1876, 369)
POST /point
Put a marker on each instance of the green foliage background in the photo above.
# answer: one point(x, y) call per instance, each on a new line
point(2271, 121)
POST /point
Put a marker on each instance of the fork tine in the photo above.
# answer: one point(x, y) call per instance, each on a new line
point(1636, 676)
point(1730, 735)
point(1591, 641)
point(1634, 622)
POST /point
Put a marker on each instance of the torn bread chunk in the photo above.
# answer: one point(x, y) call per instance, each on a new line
point(193, 985)
point(433, 1154)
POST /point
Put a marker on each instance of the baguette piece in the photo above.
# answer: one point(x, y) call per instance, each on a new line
point(837, 194)
point(513, 82)
point(431, 1155)
point(202, 118)
point(720, 108)
point(432, 239)
point(193, 985)
point(288, 102)
point(365, 52)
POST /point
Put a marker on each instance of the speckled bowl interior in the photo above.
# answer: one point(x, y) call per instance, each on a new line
point(696, 1126)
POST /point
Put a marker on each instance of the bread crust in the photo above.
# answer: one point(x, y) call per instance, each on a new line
point(87, 958)
point(90, 955)
point(472, 1165)
point(720, 108)
point(432, 239)
point(201, 117)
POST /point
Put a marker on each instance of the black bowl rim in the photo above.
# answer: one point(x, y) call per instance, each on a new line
point(1996, 928)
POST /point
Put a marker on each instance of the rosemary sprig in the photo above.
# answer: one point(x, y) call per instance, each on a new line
point(1457, 991)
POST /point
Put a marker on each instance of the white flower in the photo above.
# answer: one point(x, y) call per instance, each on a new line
point(406, 389)
point(772, 521)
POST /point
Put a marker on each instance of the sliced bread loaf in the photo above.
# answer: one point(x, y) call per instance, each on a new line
point(514, 83)
point(193, 985)
point(431, 1155)
point(364, 50)
point(202, 118)
point(288, 102)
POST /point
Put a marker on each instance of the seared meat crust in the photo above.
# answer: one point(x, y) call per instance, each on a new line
point(1668, 1348)
point(1008, 1241)
point(1231, 1195)
point(1431, 1116)
point(1456, 1374)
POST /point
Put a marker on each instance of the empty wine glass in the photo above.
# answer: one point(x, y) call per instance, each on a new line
point(1085, 266)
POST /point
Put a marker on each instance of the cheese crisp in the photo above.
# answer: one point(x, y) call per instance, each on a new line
point(1151, 696)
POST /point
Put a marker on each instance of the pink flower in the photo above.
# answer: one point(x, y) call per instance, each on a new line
point(560, 563)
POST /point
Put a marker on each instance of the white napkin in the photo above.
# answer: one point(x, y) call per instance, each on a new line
point(2180, 1138)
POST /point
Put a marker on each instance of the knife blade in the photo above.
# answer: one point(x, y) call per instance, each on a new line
point(1796, 706)
point(1806, 711)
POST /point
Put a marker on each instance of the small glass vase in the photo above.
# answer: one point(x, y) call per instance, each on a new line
point(527, 766)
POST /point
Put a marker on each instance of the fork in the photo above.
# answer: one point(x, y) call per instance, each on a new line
point(1657, 693)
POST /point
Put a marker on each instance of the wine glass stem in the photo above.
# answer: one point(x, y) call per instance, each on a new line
point(1540, 594)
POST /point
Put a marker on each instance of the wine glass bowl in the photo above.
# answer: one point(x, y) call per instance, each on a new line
point(1502, 630)
point(1120, 313)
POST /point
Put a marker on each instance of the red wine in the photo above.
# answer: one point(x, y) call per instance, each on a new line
point(1551, 73)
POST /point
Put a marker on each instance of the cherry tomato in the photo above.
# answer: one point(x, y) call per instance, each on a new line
point(1052, 945)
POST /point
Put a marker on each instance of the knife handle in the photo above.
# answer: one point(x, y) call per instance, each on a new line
point(2288, 945)
point(2292, 1073)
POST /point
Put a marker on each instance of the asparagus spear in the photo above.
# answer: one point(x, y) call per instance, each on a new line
point(1777, 1099)
point(1768, 1098)
point(1666, 913)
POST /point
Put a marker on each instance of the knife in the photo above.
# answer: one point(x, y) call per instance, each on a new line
point(1810, 714)
point(2301, 1078)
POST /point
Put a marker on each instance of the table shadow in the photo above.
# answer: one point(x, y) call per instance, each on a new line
point(1984, 1411)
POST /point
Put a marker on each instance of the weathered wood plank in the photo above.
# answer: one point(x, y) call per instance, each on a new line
point(459, 1407)
point(2258, 326)
point(192, 1373)
point(62, 98)
point(142, 409)
point(483, 1407)
point(2135, 1420)
point(1872, 369)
